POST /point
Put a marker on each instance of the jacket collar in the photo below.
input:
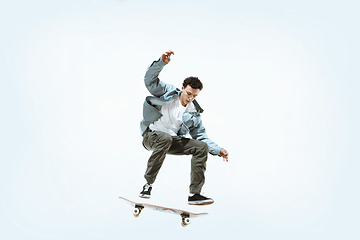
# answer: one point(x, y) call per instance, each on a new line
point(197, 106)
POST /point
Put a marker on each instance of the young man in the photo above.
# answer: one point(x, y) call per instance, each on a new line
point(169, 115)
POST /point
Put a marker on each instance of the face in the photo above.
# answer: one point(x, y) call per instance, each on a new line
point(188, 94)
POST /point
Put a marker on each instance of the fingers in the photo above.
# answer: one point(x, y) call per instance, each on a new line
point(168, 53)
point(225, 155)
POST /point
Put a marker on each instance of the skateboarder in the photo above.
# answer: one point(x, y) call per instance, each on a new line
point(168, 116)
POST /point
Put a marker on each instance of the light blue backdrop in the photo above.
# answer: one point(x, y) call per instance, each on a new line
point(281, 87)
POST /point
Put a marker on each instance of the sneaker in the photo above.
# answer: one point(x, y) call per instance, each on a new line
point(146, 192)
point(198, 199)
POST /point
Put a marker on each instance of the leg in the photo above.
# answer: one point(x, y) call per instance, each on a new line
point(160, 143)
point(199, 152)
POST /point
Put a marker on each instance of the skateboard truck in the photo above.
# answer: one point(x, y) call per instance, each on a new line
point(185, 219)
point(137, 210)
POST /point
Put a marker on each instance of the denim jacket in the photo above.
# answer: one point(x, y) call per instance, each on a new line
point(163, 94)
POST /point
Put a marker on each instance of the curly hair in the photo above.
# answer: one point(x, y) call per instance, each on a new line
point(194, 82)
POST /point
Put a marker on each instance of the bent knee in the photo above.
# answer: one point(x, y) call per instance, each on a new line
point(202, 147)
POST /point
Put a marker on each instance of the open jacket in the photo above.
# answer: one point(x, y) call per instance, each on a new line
point(163, 94)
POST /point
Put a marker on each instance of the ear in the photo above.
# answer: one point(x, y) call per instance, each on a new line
point(182, 88)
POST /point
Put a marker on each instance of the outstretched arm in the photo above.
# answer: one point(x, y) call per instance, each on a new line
point(198, 132)
point(151, 79)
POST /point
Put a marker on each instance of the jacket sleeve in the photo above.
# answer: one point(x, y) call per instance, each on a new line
point(152, 81)
point(198, 132)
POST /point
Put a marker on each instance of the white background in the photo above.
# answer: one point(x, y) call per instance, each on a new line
point(280, 93)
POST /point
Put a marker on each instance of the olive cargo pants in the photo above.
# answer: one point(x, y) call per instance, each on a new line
point(162, 143)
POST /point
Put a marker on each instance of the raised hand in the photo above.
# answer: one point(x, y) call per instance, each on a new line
point(166, 56)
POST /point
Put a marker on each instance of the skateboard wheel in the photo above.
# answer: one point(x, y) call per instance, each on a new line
point(136, 212)
point(185, 222)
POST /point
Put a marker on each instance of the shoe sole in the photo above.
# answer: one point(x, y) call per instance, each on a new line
point(201, 202)
point(144, 196)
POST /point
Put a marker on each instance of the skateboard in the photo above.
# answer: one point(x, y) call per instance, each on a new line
point(185, 215)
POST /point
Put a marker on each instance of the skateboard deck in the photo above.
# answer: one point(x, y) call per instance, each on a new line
point(185, 215)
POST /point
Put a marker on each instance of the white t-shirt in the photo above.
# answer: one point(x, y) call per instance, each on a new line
point(172, 117)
